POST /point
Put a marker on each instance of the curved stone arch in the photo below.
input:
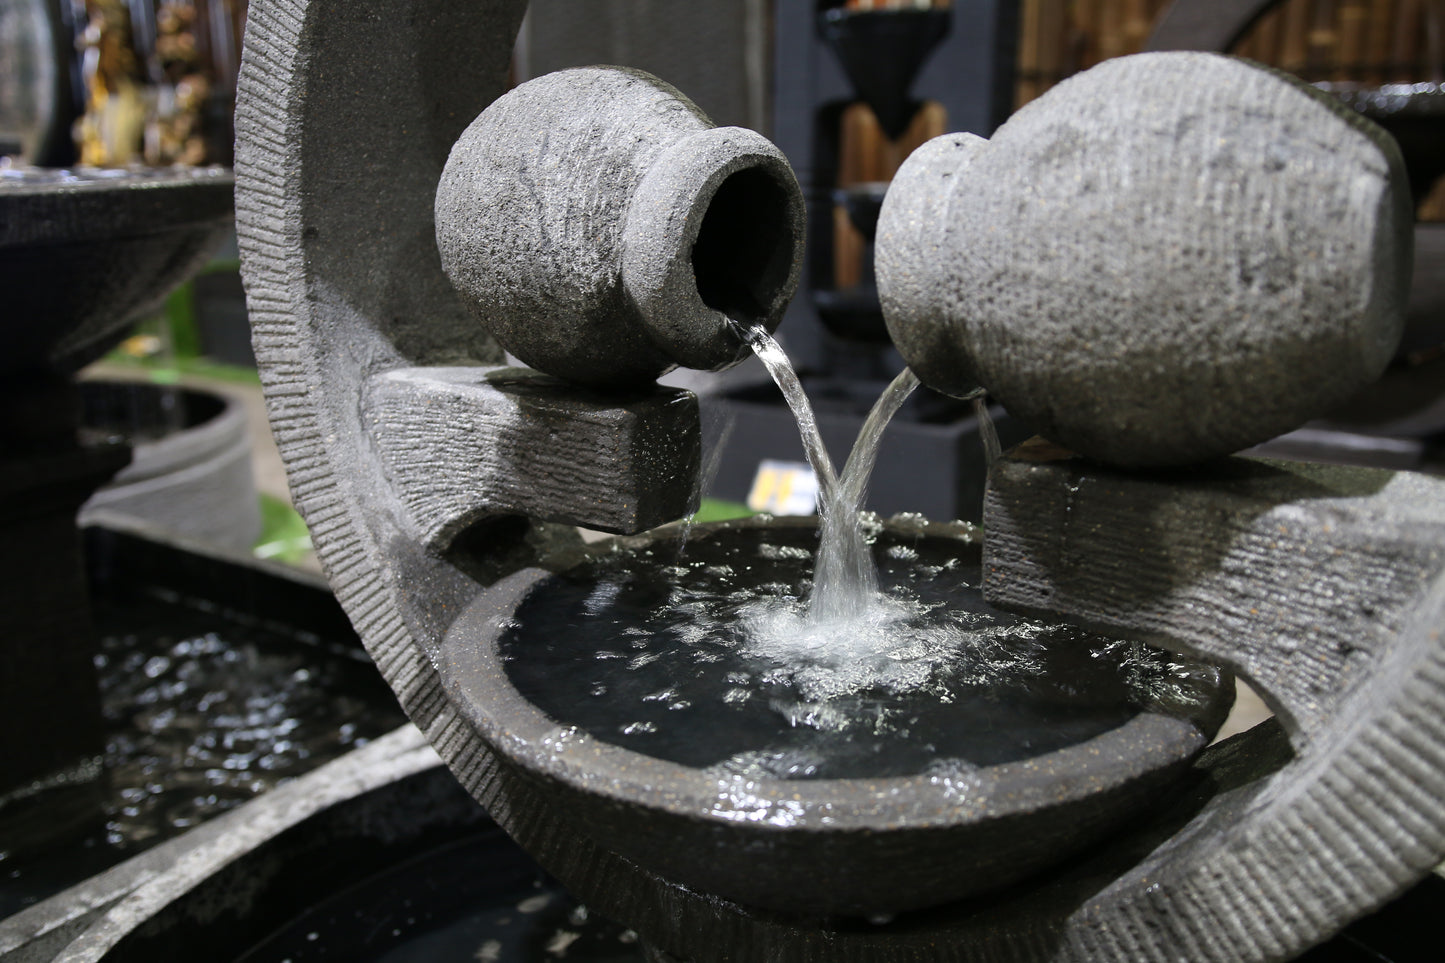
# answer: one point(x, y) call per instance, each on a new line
point(345, 116)
point(336, 124)
point(343, 126)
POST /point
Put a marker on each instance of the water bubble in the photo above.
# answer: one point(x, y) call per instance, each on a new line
point(534, 904)
point(778, 552)
point(557, 945)
point(823, 716)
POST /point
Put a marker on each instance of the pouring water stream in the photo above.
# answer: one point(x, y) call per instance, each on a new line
point(845, 580)
point(724, 660)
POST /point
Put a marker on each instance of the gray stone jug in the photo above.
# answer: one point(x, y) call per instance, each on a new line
point(603, 230)
point(1164, 259)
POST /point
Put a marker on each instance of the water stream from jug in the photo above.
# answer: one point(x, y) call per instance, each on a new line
point(845, 579)
point(754, 654)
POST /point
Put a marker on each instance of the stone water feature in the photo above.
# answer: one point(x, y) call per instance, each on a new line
point(426, 470)
point(81, 254)
point(152, 674)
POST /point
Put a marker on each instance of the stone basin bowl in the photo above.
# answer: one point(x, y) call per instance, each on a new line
point(852, 847)
point(84, 252)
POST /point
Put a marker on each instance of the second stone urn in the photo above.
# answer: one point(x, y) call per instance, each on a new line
point(604, 231)
point(1167, 258)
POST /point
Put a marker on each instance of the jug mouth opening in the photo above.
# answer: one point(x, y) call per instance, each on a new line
point(743, 254)
point(714, 231)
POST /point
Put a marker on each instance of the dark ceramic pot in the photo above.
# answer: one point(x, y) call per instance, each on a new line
point(864, 846)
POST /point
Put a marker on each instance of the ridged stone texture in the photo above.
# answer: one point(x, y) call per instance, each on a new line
point(1164, 259)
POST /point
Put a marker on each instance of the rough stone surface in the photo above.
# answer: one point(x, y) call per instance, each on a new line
point(914, 238)
point(462, 444)
point(1167, 258)
point(346, 115)
point(1330, 558)
point(602, 229)
point(341, 137)
point(1324, 588)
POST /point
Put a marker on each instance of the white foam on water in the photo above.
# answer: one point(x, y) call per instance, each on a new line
point(898, 645)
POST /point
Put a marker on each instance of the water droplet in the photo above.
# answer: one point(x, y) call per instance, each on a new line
point(534, 904)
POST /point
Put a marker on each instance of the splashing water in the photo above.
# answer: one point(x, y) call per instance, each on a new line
point(845, 583)
point(679, 660)
point(845, 597)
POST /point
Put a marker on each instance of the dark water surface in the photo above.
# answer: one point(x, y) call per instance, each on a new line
point(703, 655)
point(476, 900)
point(201, 715)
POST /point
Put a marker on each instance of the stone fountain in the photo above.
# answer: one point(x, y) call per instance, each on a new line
point(600, 227)
point(81, 254)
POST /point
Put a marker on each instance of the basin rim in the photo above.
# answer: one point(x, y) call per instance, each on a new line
point(110, 204)
point(560, 754)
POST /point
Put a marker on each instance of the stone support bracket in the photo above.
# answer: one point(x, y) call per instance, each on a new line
point(1325, 588)
point(461, 444)
point(1297, 576)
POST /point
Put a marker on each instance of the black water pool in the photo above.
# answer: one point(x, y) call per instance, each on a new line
point(701, 654)
point(202, 713)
